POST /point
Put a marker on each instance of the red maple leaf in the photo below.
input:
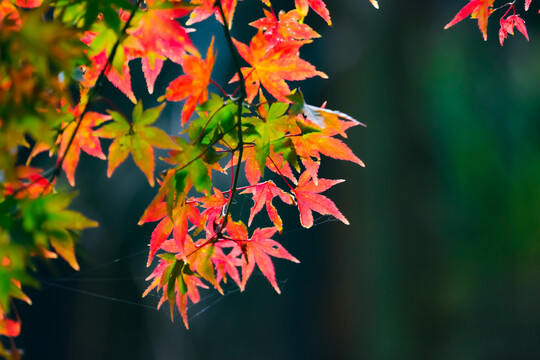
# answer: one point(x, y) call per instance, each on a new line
point(309, 199)
point(158, 32)
point(157, 36)
point(507, 27)
point(272, 65)
point(478, 9)
point(258, 250)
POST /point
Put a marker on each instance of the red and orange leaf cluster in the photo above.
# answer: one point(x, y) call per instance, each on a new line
point(197, 240)
point(483, 9)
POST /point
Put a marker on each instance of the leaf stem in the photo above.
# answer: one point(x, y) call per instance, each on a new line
point(280, 174)
point(219, 88)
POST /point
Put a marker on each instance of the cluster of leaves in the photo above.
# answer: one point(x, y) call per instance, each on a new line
point(483, 9)
point(55, 58)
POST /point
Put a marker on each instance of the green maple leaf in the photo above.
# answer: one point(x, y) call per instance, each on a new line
point(137, 138)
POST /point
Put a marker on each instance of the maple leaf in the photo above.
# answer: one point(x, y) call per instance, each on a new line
point(263, 194)
point(135, 137)
point(288, 27)
point(155, 36)
point(193, 85)
point(158, 32)
point(272, 65)
point(527, 4)
point(507, 27)
point(101, 44)
point(309, 199)
point(257, 251)
point(317, 5)
point(478, 9)
point(85, 139)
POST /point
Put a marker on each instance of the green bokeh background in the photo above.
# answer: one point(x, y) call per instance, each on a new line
point(442, 257)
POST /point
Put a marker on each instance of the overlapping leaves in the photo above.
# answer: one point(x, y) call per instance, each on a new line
point(273, 145)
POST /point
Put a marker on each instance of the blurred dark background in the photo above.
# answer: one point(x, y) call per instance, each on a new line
point(442, 257)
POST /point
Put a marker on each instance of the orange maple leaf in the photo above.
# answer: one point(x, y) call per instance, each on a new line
point(478, 9)
point(272, 65)
point(85, 139)
point(193, 85)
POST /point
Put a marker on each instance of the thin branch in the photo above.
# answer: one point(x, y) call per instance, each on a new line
point(94, 91)
point(239, 101)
